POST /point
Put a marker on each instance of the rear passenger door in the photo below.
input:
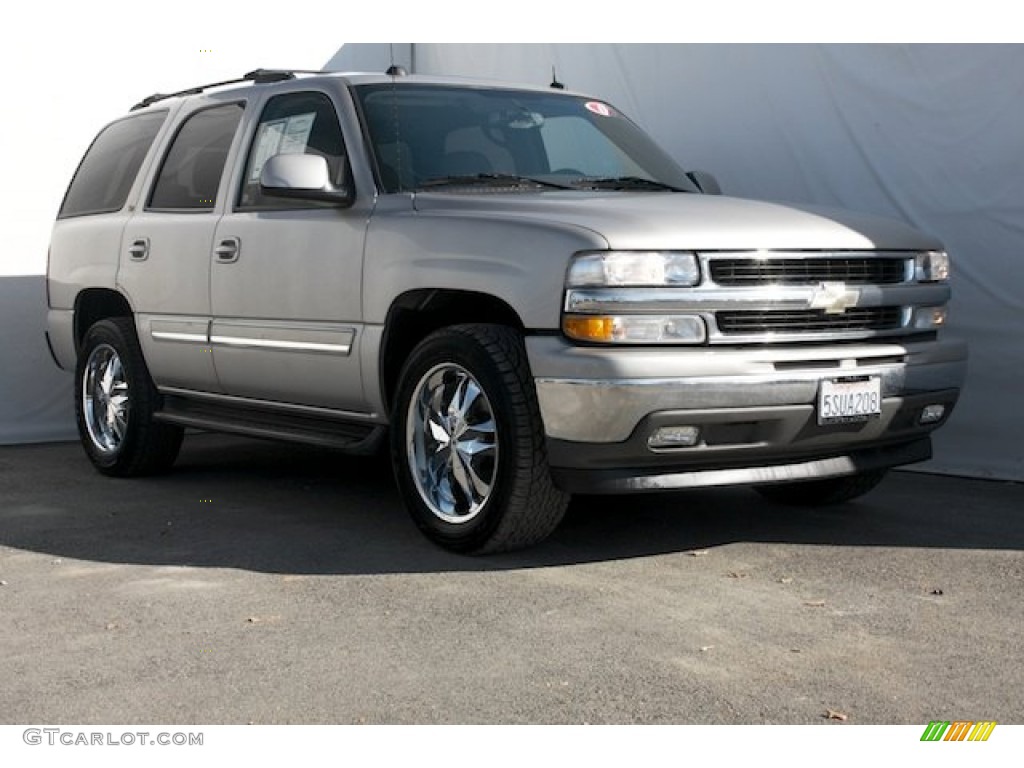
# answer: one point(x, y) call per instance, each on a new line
point(286, 275)
point(167, 248)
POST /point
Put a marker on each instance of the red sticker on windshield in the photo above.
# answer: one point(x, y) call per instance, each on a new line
point(599, 108)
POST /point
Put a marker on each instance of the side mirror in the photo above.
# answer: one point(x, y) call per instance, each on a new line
point(302, 177)
point(705, 182)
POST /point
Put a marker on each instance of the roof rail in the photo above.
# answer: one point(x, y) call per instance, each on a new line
point(258, 76)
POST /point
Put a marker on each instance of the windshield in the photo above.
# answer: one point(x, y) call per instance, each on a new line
point(444, 137)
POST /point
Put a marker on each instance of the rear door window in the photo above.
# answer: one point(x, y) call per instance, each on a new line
point(191, 171)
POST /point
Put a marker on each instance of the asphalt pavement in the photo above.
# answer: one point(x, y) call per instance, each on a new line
point(269, 583)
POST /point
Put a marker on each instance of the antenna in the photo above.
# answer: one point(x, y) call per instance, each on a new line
point(554, 80)
point(395, 70)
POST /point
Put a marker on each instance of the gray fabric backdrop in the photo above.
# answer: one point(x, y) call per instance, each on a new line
point(35, 395)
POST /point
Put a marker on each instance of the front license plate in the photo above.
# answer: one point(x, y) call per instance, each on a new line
point(849, 399)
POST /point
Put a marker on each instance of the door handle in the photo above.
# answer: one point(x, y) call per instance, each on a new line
point(227, 250)
point(139, 249)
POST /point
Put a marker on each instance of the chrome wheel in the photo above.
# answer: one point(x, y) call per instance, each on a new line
point(451, 443)
point(116, 404)
point(105, 401)
point(468, 444)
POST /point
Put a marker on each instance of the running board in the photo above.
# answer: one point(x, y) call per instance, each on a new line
point(353, 438)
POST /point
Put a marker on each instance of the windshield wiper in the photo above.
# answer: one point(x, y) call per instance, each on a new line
point(490, 179)
point(629, 182)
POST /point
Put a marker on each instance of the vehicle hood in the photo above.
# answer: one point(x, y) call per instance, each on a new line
point(684, 221)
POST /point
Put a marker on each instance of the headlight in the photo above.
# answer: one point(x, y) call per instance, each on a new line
point(931, 267)
point(637, 268)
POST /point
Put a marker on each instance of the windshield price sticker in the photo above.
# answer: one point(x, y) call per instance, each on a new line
point(849, 399)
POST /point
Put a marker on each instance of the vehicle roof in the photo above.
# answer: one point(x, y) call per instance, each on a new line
point(369, 78)
point(258, 78)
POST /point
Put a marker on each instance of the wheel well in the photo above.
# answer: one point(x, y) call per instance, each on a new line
point(415, 315)
point(95, 304)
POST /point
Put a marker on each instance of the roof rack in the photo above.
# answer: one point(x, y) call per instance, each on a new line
point(257, 76)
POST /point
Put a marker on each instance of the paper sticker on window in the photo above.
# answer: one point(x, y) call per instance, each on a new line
point(599, 108)
point(296, 134)
point(286, 136)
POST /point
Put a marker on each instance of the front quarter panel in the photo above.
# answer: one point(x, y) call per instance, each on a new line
point(522, 262)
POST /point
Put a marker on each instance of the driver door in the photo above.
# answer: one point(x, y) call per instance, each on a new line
point(286, 274)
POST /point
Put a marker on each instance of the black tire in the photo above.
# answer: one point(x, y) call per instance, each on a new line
point(121, 439)
point(814, 493)
point(468, 487)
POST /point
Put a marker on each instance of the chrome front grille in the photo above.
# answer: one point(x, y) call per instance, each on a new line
point(747, 322)
point(777, 296)
point(808, 270)
point(782, 297)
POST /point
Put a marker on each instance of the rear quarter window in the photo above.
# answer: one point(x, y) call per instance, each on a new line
point(105, 175)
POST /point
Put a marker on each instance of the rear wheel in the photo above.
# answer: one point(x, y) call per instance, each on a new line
point(467, 442)
point(114, 403)
point(834, 490)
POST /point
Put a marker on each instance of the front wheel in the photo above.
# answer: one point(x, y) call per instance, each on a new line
point(114, 403)
point(833, 490)
point(467, 442)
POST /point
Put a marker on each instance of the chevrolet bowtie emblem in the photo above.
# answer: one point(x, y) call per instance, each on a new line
point(834, 298)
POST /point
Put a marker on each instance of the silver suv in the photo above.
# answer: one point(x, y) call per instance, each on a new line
point(513, 283)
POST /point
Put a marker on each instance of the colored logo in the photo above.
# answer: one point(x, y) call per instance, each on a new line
point(958, 730)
